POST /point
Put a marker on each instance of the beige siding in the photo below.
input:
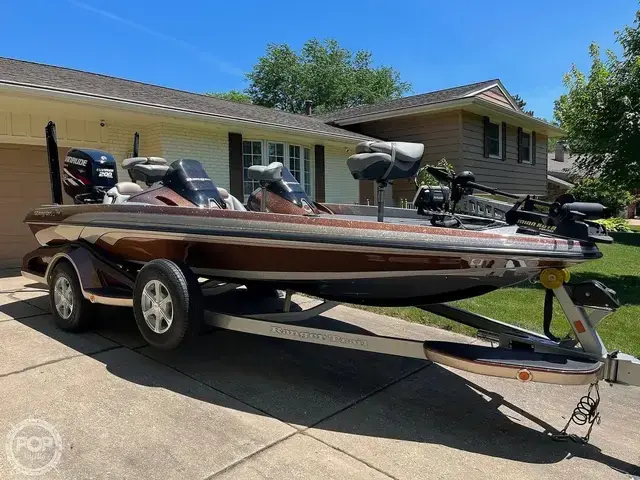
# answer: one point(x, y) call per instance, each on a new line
point(440, 134)
point(24, 185)
point(340, 187)
point(508, 175)
point(495, 95)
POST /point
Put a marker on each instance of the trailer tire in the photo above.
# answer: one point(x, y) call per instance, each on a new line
point(71, 311)
point(167, 304)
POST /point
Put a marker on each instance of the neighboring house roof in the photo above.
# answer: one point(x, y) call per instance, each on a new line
point(561, 169)
point(428, 98)
point(489, 96)
point(559, 181)
point(18, 73)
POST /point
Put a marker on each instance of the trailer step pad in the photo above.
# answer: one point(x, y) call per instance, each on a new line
point(524, 365)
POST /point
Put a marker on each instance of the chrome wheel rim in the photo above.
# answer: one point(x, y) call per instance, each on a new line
point(63, 297)
point(157, 306)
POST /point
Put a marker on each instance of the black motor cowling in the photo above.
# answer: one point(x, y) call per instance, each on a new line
point(87, 174)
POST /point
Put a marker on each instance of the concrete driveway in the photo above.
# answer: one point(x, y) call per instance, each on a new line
point(238, 406)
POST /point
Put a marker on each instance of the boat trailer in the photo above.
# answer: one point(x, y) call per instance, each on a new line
point(527, 356)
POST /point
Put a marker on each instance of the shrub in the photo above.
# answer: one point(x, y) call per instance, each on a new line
point(600, 191)
point(425, 178)
point(615, 224)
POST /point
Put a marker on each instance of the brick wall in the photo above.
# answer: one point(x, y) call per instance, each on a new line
point(211, 148)
point(120, 143)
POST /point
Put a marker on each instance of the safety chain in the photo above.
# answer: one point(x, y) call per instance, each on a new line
point(586, 412)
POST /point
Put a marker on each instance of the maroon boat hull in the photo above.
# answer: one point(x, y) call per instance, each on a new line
point(336, 259)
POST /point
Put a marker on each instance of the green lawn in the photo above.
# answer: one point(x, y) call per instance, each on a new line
point(619, 269)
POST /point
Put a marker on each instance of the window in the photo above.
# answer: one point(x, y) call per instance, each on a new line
point(307, 170)
point(251, 155)
point(276, 152)
point(525, 147)
point(294, 162)
point(296, 158)
point(494, 134)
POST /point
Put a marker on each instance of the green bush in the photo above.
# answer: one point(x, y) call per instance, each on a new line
point(599, 191)
point(615, 224)
point(425, 178)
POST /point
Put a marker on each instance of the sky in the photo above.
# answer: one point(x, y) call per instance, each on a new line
point(204, 46)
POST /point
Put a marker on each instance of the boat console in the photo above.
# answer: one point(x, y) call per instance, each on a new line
point(279, 191)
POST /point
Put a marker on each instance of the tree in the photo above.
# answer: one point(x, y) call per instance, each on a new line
point(598, 190)
point(233, 96)
point(601, 111)
point(521, 103)
point(323, 72)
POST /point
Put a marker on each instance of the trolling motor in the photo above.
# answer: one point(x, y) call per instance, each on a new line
point(564, 217)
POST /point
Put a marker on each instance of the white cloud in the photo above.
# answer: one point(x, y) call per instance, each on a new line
point(212, 60)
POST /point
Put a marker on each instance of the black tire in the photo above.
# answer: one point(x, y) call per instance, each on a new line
point(82, 311)
point(186, 299)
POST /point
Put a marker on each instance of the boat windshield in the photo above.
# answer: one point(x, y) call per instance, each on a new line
point(290, 189)
point(188, 178)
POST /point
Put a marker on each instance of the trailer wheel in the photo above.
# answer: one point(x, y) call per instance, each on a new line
point(71, 311)
point(167, 303)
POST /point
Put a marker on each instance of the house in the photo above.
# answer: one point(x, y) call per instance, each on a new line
point(476, 127)
point(560, 167)
point(104, 112)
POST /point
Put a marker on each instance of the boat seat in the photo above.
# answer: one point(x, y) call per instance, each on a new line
point(268, 174)
point(121, 192)
point(147, 173)
point(383, 161)
point(231, 202)
point(128, 163)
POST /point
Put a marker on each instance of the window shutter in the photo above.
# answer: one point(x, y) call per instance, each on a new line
point(235, 165)
point(319, 172)
point(486, 136)
point(504, 141)
point(533, 148)
point(519, 144)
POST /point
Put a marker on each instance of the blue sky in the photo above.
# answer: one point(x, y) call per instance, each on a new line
point(202, 46)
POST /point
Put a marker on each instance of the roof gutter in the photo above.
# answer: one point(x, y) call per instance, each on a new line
point(518, 117)
point(522, 118)
point(401, 112)
point(145, 107)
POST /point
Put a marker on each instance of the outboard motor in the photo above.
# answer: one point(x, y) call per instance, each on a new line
point(88, 174)
point(282, 192)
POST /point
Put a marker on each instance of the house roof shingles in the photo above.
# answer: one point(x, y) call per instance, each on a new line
point(66, 79)
point(429, 98)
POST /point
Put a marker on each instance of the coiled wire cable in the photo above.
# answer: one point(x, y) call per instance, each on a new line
point(586, 412)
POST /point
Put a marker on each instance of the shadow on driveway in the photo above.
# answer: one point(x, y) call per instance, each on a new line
point(329, 389)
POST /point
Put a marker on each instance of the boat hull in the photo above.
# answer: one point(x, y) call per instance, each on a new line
point(348, 261)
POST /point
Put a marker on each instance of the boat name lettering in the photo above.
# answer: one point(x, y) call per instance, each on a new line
point(76, 161)
point(529, 223)
point(325, 337)
point(45, 213)
point(198, 179)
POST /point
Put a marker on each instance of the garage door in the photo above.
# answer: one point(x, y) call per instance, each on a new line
point(24, 185)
